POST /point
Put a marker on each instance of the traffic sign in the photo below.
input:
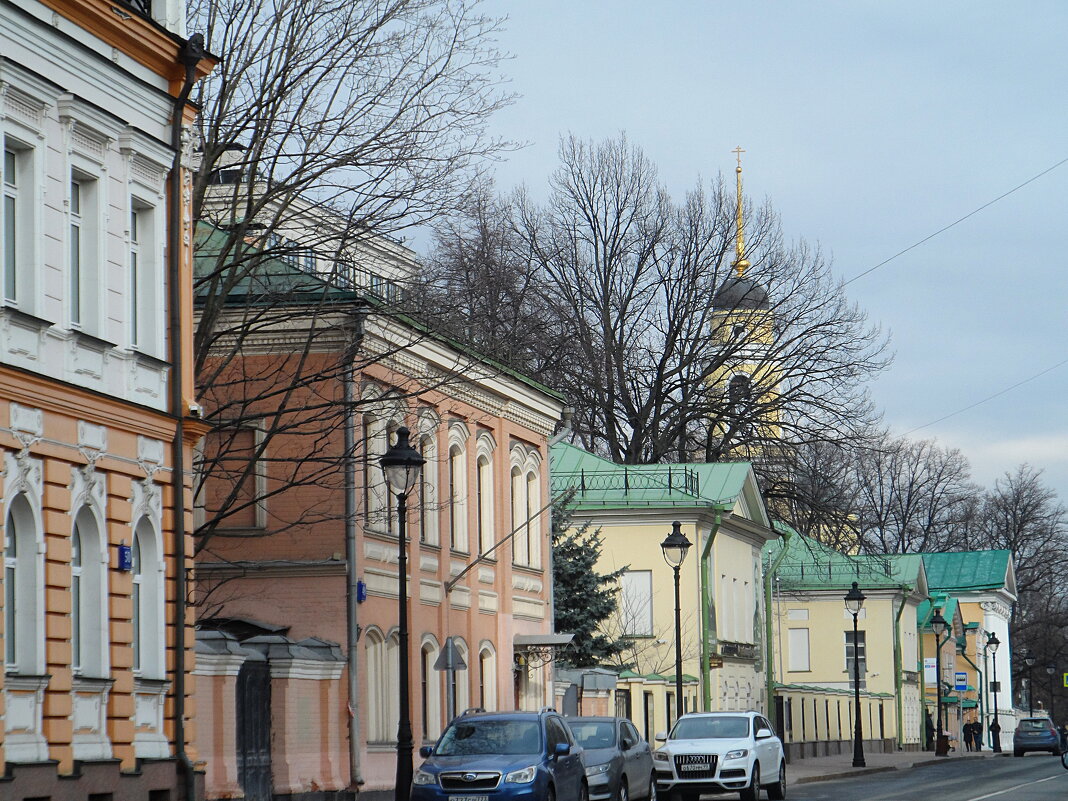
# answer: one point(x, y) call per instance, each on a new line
point(960, 681)
point(1066, 679)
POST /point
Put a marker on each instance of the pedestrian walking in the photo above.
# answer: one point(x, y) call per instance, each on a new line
point(977, 734)
point(967, 733)
point(929, 729)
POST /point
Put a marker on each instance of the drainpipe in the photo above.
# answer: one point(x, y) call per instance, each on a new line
point(708, 610)
point(905, 590)
point(191, 54)
point(769, 648)
point(352, 628)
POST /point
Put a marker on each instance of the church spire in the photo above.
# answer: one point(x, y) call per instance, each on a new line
point(740, 262)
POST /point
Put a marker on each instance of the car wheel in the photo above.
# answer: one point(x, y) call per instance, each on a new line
point(551, 795)
point(623, 793)
point(752, 792)
point(777, 791)
point(584, 791)
point(652, 788)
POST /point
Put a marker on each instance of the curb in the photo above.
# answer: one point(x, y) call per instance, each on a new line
point(826, 777)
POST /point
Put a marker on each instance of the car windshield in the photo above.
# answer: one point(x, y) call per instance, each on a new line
point(710, 728)
point(466, 737)
point(1041, 724)
point(594, 733)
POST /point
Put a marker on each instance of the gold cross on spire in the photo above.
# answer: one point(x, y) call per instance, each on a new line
point(740, 262)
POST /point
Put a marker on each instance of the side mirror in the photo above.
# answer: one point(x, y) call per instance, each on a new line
point(661, 736)
point(561, 749)
point(426, 751)
point(763, 734)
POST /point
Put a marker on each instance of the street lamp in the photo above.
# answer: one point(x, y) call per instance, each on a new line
point(1029, 660)
point(854, 600)
point(938, 626)
point(675, 547)
point(992, 644)
point(402, 466)
point(1050, 670)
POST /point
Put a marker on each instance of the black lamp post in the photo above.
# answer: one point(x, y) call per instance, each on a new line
point(992, 644)
point(938, 626)
point(1050, 670)
point(402, 465)
point(1029, 660)
point(675, 547)
point(854, 600)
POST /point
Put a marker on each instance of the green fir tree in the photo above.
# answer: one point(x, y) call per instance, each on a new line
point(583, 598)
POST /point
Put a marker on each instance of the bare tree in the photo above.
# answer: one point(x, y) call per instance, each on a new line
point(912, 496)
point(328, 126)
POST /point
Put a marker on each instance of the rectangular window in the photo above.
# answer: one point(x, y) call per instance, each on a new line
point(860, 655)
point(10, 578)
point(75, 251)
point(799, 654)
point(636, 602)
point(135, 278)
point(9, 224)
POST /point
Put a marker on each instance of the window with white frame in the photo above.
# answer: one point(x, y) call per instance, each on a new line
point(136, 283)
point(375, 492)
point(856, 651)
point(533, 489)
point(23, 591)
point(89, 634)
point(526, 507)
point(797, 640)
point(636, 602)
point(461, 690)
point(377, 689)
point(10, 221)
point(484, 494)
point(430, 679)
point(487, 677)
point(521, 535)
point(82, 258)
point(458, 498)
point(147, 602)
point(428, 491)
point(392, 685)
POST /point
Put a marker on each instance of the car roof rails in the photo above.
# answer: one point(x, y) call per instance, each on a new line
point(472, 710)
point(548, 709)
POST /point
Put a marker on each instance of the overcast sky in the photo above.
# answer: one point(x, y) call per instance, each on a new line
point(869, 125)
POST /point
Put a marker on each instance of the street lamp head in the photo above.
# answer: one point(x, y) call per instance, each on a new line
point(1029, 660)
point(854, 600)
point(992, 643)
point(402, 464)
point(675, 546)
point(1051, 668)
point(938, 623)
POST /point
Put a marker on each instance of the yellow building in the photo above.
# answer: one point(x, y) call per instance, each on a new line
point(814, 646)
point(722, 514)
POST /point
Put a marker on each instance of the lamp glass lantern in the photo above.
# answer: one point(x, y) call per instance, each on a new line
point(992, 643)
point(1029, 660)
point(854, 599)
point(1051, 669)
point(675, 546)
point(938, 623)
point(402, 464)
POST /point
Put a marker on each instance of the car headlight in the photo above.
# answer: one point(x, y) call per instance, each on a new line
point(660, 756)
point(597, 770)
point(523, 776)
point(422, 777)
point(736, 754)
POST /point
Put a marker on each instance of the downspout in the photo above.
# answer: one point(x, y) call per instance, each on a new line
point(191, 54)
point(708, 621)
point(352, 629)
point(769, 666)
point(905, 590)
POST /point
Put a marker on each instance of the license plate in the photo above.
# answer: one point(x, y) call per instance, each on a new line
point(468, 798)
point(695, 766)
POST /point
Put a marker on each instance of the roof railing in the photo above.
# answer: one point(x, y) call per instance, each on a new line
point(628, 479)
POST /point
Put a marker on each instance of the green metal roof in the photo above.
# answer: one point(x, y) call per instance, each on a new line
point(924, 612)
point(809, 564)
point(603, 484)
point(967, 570)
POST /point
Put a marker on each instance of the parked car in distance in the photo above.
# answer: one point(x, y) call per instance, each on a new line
point(1035, 734)
point(502, 756)
point(712, 752)
point(619, 763)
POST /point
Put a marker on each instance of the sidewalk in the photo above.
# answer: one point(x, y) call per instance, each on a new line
point(840, 766)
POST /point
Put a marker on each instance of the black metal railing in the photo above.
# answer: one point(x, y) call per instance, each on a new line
point(669, 478)
point(140, 6)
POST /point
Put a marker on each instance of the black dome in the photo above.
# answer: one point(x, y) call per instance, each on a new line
point(740, 293)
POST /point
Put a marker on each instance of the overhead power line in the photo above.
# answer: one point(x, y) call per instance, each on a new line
point(956, 222)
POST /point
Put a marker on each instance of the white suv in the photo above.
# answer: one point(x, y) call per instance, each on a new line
point(709, 752)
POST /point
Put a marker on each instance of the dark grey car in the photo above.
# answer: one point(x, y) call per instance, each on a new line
point(619, 763)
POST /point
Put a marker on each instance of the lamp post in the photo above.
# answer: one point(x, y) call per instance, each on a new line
point(854, 600)
point(938, 626)
point(402, 465)
point(992, 643)
point(1029, 660)
point(675, 547)
point(1050, 670)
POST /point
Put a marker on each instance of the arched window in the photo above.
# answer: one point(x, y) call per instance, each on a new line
point(377, 700)
point(739, 391)
point(88, 588)
point(392, 686)
point(460, 689)
point(521, 537)
point(487, 677)
point(484, 477)
point(23, 591)
point(533, 489)
point(428, 491)
point(458, 498)
point(147, 571)
point(431, 688)
point(526, 507)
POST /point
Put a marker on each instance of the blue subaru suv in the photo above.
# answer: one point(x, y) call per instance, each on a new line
point(501, 756)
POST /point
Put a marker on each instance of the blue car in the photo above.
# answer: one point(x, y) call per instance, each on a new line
point(500, 756)
point(1036, 734)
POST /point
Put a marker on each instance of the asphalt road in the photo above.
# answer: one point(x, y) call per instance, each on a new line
point(1035, 777)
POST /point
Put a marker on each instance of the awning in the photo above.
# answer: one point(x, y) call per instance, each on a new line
point(528, 641)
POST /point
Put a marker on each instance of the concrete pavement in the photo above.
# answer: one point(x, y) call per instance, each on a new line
point(840, 766)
